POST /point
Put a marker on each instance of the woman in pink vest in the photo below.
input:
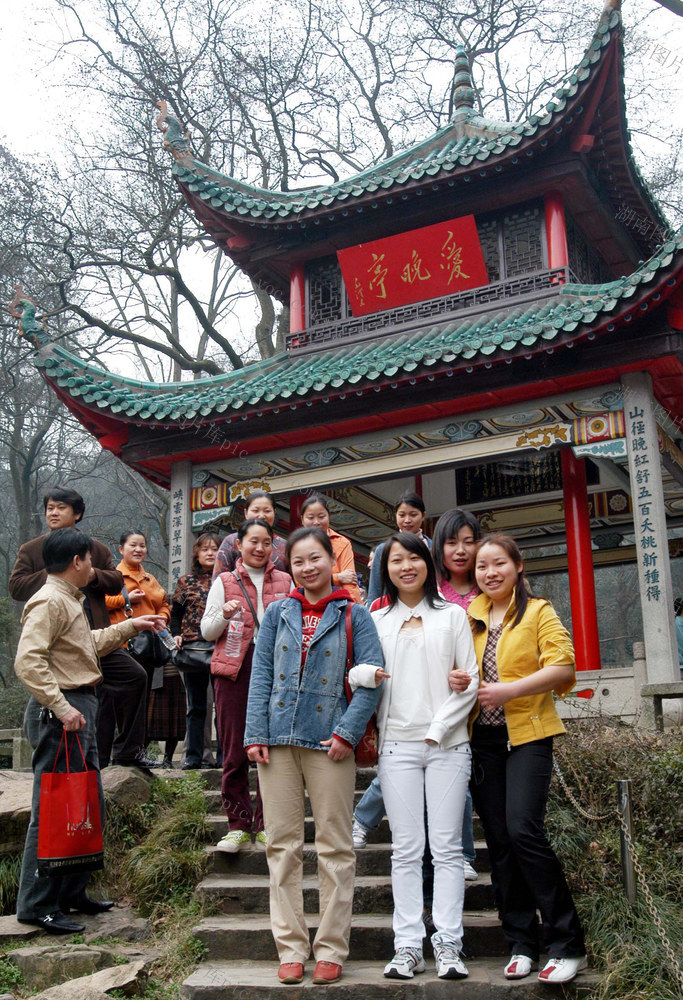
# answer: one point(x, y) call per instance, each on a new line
point(234, 609)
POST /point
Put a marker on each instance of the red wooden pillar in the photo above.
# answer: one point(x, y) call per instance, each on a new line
point(296, 502)
point(580, 562)
point(556, 230)
point(297, 299)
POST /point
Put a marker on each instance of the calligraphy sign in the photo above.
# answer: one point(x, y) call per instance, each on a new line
point(411, 267)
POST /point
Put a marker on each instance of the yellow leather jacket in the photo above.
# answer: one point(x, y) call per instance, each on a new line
point(539, 640)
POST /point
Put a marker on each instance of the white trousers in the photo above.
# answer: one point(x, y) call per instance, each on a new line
point(412, 774)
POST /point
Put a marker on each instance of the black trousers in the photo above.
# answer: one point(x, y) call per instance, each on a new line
point(510, 793)
point(123, 707)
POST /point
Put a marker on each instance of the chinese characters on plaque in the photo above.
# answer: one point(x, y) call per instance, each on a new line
point(646, 537)
point(176, 541)
point(411, 267)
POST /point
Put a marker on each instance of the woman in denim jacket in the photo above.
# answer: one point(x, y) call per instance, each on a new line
point(301, 731)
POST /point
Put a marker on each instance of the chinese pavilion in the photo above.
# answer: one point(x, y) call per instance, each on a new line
point(493, 315)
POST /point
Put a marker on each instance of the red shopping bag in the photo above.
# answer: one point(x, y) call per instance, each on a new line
point(70, 824)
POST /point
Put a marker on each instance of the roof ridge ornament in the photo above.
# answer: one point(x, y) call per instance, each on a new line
point(175, 140)
point(463, 84)
point(24, 309)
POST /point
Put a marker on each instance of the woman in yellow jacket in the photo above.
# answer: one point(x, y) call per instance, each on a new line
point(524, 654)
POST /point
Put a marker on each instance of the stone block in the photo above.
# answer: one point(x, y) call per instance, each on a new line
point(94, 987)
point(11, 930)
point(126, 786)
point(46, 965)
point(16, 789)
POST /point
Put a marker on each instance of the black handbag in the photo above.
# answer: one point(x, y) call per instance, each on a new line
point(146, 647)
point(194, 657)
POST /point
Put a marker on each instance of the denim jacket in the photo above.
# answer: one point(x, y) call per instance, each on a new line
point(287, 707)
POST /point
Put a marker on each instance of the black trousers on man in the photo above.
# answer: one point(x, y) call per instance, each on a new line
point(122, 718)
point(510, 791)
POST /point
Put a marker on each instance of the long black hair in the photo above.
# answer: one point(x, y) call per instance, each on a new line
point(309, 531)
point(449, 525)
point(522, 588)
point(411, 499)
point(250, 522)
point(316, 498)
point(414, 544)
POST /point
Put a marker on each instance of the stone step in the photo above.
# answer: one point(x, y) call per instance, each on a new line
point(364, 776)
point(234, 936)
point(372, 893)
point(372, 860)
point(364, 981)
point(219, 827)
point(215, 807)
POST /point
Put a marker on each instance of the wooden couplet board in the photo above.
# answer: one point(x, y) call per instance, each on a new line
point(411, 267)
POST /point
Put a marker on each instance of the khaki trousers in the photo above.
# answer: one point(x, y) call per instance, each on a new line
point(330, 788)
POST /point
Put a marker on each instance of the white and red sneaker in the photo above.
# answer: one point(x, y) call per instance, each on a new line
point(519, 967)
point(562, 970)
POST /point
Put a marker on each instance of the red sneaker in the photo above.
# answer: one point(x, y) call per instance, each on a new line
point(326, 973)
point(290, 973)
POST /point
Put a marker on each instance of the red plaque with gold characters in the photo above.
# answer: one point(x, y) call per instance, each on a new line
point(422, 264)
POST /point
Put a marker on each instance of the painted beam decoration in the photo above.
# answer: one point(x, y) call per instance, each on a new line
point(411, 267)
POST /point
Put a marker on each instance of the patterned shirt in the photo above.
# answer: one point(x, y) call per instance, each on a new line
point(188, 606)
point(496, 716)
point(453, 597)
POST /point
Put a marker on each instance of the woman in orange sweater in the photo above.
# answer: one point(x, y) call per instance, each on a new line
point(315, 513)
point(166, 703)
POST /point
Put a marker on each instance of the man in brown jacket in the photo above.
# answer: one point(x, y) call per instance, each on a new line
point(123, 692)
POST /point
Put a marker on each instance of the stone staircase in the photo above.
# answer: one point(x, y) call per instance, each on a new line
point(241, 961)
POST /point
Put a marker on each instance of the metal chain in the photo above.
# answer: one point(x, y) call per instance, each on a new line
point(676, 969)
point(593, 817)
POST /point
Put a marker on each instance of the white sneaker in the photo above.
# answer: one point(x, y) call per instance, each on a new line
point(470, 873)
point(359, 835)
point(519, 967)
point(562, 970)
point(405, 963)
point(449, 965)
point(233, 841)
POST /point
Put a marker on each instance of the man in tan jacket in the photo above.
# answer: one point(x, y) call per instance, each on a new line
point(58, 661)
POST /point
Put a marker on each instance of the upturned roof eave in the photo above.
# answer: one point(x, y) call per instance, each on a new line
point(249, 209)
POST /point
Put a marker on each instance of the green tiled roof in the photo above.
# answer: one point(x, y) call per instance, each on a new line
point(287, 377)
point(470, 141)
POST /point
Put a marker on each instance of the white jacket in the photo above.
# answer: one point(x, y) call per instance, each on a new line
point(448, 644)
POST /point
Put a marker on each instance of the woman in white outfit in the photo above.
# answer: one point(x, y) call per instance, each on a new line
point(424, 750)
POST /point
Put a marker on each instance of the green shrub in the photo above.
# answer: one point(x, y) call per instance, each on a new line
point(10, 868)
point(164, 869)
point(11, 979)
point(623, 941)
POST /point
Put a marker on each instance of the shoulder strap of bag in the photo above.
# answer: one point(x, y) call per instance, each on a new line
point(251, 606)
point(127, 606)
point(349, 650)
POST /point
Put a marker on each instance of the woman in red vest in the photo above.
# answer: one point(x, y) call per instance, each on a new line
point(234, 610)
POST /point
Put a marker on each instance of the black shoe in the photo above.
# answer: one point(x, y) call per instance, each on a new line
point(55, 923)
point(189, 766)
point(167, 764)
point(140, 760)
point(84, 904)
